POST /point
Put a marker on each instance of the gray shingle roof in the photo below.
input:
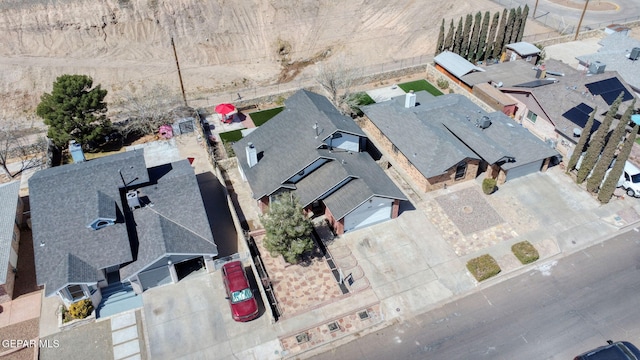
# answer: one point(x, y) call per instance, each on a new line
point(288, 143)
point(9, 200)
point(613, 54)
point(442, 131)
point(455, 64)
point(62, 197)
point(523, 48)
point(508, 73)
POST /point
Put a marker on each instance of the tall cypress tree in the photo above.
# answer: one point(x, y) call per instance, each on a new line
point(597, 143)
point(448, 41)
point(599, 171)
point(611, 182)
point(509, 31)
point(457, 39)
point(491, 39)
point(475, 35)
point(523, 23)
point(482, 39)
point(440, 39)
point(582, 142)
point(464, 47)
point(497, 45)
point(516, 25)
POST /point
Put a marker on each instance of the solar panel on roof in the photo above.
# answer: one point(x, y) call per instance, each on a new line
point(609, 89)
point(611, 96)
point(535, 83)
point(580, 114)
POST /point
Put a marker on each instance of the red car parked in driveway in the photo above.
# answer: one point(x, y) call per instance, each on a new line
point(243, 305)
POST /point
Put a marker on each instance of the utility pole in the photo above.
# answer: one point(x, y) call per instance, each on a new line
point(534, 10)
point(184, 97)
point(580, 22)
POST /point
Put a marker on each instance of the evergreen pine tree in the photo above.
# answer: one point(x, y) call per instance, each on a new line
point(440, 39)
point(611, 182)
point(448, 41)
point(457, 39)
point(516, 26)
point(523, 22)
point(603, 163)
point(482, 39)
point(491, 38)
point(464, 47)
point(509, 31)
point(475, 35)
point(497, 45)
point(597, 143)
point(582, 141)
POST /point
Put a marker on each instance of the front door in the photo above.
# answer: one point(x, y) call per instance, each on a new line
point(112, 274)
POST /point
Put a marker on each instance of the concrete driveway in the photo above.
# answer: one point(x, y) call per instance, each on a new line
point(417, 261)
point(192, 320)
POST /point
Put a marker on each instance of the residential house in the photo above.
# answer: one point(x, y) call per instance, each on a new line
point(113, 221)
point(455, 67)
point(557, 107)
point(444, 140)
point(619, 53)
point(10, 221)
point(315, 152)
point(522, 51)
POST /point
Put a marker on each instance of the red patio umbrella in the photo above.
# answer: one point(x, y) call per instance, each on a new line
point(224, 109)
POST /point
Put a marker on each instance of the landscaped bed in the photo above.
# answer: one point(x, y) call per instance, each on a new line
point(261, 117)
point(525, 252)
point(420, 85)
point(483, 267)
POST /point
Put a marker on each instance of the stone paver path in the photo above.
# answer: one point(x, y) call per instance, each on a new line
point(124, 334)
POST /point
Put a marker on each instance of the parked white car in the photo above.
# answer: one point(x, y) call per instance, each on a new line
point(630, 179)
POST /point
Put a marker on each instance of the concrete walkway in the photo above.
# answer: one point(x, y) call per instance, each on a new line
point(124, 335)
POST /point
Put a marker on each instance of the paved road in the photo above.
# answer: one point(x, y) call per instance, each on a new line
point(555, 311)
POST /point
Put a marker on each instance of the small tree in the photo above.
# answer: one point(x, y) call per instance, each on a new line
point(523, 22)
point(147, 110)
point(74, 110)
point(448, 41)
point(475, 36)
point(516, 25)
point(440, 43)
point(457, 39)
point(599, 171)
point(482, 39)
point(582, 141)
point(464, 47)
point(491, 38)
point(288, 229)
point(497, 45)
point(22, 154)
point(338, 81)
point(596, 144)
point(611, 182)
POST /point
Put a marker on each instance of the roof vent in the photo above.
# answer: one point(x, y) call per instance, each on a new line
point(577, 132)
point(410, 99)
point(252, 155)
point(635, 53)
point(133, 200)
point(484, 122)
point(596, 67)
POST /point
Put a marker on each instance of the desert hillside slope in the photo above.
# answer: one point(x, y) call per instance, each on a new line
point(125, 44)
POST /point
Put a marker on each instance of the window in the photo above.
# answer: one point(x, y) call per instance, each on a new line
point(532, 116)
point(394, 148)
point(461, 170)
point(75, 292)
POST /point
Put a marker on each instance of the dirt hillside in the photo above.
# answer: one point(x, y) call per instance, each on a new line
point(125, 44)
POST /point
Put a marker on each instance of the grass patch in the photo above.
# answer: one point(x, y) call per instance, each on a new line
point(525, 252)
point(360, 99)
point(420, 85)
point(483, 267)
point(261, 117)
point(229, 138)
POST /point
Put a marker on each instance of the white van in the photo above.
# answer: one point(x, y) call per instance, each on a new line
point(630, 179)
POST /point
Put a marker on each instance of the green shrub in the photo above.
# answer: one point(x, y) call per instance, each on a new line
point(442, 84)
point(80, 309)
point(489, 186)
point(525, 252)
point(483, 267)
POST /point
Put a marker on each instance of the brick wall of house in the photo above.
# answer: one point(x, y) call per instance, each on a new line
point(263, 204)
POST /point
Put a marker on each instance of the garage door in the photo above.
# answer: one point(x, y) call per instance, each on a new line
point(523, 170)
point(368, 213)
point(155, 277)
